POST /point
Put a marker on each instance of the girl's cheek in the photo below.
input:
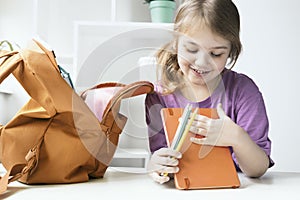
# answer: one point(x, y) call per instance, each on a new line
point(183, 64)
point(183, 54)
point(186, 59)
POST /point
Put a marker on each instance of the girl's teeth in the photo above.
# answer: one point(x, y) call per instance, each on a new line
point(200, 71)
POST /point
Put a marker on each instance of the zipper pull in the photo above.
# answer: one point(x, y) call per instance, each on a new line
point(107, 141)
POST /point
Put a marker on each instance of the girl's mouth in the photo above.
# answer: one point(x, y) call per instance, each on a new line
point(201, 72)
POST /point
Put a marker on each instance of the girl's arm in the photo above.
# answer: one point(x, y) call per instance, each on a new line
point(252, 160)
point(163, 160)
point(250, 157)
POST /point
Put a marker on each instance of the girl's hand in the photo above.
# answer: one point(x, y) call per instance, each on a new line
point(251, 159)
point(215, 132)
point(163, 161)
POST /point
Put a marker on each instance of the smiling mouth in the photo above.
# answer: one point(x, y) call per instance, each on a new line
point(201, 72)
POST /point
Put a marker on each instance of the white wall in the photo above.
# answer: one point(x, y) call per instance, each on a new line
point(16, 25)
point(270, 35)
point(270, 31)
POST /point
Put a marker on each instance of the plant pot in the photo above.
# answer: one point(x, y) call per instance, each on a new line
point(162, 11)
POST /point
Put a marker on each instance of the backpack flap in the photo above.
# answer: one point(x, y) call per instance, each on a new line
point(105, 100)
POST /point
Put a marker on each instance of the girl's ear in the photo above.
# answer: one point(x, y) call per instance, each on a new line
point(174, 46)
point(228, 61)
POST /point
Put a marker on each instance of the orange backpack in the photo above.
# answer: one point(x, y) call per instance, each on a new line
point(55, 137)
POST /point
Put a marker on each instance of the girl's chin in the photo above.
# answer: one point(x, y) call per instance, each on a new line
point(201, 81)
point(198, 82)
point(198, 78)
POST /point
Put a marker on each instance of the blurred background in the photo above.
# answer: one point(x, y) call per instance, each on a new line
point(270, 32)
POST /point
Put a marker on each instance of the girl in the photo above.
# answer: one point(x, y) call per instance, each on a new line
point(197, 70)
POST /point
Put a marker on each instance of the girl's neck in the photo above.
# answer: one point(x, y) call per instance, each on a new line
point(198, 93)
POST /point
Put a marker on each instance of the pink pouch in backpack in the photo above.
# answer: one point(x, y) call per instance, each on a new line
point(97, 99)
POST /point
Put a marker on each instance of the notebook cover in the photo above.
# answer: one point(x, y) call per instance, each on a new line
point(201, 166)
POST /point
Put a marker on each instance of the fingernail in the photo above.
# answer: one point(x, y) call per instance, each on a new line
point(180, 155)
point(174, 162)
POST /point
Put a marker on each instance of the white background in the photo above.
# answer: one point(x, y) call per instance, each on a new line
point(270, 37)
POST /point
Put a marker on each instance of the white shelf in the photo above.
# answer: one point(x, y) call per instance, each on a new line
point(131, 160)
point(48, 15)
point(109, 51)
point(4, 91)
point(6, 87)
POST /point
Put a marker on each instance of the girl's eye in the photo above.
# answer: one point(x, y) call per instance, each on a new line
point(191, 50)
point(215, 54)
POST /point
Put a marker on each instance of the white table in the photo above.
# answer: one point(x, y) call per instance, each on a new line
point(116, 184)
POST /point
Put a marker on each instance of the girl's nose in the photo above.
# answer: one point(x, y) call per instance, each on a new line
point(202, 59)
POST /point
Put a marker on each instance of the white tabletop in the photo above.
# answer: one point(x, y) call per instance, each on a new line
point(117, 184)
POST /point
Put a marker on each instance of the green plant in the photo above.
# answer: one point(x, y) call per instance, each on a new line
point(5, 44)
point(148, 1)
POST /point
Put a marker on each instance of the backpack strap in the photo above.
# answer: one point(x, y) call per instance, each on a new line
point(12, 60)
point(130, 90)
point(110, 114)
point(101, 85)
point(111, 121)
point(7, 53)
point(50, 53)
point(16, 171)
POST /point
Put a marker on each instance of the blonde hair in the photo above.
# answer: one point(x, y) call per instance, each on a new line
point(221, 16)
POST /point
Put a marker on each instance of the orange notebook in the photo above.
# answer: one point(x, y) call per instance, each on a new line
point(201, 166)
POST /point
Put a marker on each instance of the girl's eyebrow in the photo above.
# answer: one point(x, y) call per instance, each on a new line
point(192, 43)
point(220, 47)
point(216, 47)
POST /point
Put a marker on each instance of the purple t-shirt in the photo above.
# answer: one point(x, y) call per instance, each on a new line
point(241, 100)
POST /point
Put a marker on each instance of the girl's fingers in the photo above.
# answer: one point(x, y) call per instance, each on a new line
point(166, 161)
point(158, 178)
point(199, 123)
point(198, 131)
point(202, 118)
point(167, 170)
point(198, 140)
point(167, 152)
point(161, 169)
point(202, 121)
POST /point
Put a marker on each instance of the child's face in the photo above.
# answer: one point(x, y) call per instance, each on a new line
point(202, 55)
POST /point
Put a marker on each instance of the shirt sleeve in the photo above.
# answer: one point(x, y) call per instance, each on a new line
point(156, 134)
point(251, 115)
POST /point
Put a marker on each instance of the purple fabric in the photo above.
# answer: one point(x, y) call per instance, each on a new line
point(241, 100)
